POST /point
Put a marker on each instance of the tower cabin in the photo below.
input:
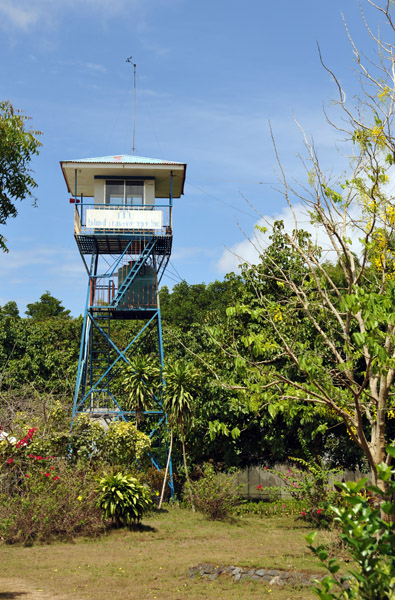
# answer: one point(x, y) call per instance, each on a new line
point(123, 209)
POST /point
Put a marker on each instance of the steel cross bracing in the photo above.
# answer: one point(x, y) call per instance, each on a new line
point(122, 289)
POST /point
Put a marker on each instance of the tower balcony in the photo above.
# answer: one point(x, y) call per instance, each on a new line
point(98, 219)
point(109, 229)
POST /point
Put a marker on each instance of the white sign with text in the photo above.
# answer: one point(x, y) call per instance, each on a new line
point(97, 218)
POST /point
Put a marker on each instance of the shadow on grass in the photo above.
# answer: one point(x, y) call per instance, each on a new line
point(131, 527)
point(10, 595)
point(141, 527)
point(159, 511)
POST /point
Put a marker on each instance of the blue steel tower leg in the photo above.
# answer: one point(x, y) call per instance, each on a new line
point(82, 360)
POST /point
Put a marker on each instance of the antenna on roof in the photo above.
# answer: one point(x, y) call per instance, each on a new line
point(129, 60)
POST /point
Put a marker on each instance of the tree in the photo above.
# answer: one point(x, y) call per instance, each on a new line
point(39, 353)
point(140, 383)
point(10, 309)
point(189, 304)
point(327, 336)
point(17, 147)
point(48, 306)
point(230, 424)
point(181, 381)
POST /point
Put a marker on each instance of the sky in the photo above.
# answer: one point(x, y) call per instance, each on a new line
point(211, 76)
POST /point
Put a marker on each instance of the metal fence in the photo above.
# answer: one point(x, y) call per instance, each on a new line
point(249, 479)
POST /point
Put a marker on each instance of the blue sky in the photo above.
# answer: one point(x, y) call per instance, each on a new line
point(210, 76)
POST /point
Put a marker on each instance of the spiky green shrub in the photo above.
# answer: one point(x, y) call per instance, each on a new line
point(123, 498)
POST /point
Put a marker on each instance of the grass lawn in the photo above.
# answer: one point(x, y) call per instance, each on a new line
point(152, 563)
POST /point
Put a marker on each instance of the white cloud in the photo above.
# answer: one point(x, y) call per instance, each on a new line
point(150, 93)
point(20, 259)
point(25, 14)
point(15, 266)
point(27, 273)
point(249, 249)
point(149, 46)
point(22, 17)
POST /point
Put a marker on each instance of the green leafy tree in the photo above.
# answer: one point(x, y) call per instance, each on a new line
point(230, 422)
point(124, 445)
point(191, 304)
point(10, 309)
point(18, 145)
point(42, 353)
point(47, 306)
point(181, 382)
point(140, 381)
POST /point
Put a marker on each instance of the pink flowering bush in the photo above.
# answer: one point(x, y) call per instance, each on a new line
point(43, 498)
point(17, 463)
point(310, 484)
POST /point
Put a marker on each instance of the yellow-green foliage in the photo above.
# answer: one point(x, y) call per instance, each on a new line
point(87, 437)
point(123, 444)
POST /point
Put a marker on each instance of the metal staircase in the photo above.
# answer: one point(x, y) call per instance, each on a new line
point(140, 262)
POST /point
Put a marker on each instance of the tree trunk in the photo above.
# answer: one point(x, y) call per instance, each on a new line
point(378, 499)
point(167, 469)
point(138, 416)
point(185, 466)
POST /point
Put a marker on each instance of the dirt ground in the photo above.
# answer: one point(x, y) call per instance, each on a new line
point(18, 588)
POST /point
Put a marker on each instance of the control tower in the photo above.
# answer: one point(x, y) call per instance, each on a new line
point(123, 219)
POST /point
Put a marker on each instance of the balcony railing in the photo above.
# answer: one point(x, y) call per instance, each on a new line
point(139, 294)
point(94, 219)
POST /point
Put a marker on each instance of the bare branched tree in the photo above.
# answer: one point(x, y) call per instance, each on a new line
point(321, 328)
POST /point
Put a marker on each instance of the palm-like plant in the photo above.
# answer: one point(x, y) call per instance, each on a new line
point(181, 382)
point(140, 381)
point(123, 498)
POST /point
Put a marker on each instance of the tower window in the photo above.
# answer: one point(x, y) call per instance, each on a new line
point(134, 192)
point(126, 192)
